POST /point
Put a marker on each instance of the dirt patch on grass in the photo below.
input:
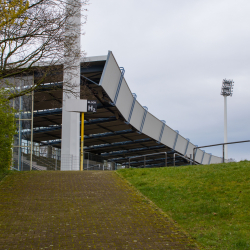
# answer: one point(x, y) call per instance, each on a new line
point(81, 210)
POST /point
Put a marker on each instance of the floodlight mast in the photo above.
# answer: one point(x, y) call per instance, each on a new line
point(226, 90)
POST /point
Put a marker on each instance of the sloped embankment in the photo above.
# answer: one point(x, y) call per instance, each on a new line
point(210, 202)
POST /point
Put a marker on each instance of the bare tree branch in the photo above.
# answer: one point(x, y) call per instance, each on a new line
point(37, 37)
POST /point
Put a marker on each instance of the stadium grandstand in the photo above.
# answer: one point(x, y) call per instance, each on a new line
point(121, 133)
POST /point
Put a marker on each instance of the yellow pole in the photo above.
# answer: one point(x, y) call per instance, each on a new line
point(82, 140)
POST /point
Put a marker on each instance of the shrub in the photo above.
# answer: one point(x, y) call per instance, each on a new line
point(7, 130)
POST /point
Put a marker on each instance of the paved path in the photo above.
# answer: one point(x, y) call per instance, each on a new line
point(81, 210)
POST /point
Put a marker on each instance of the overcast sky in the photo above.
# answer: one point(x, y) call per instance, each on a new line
point(176, 54)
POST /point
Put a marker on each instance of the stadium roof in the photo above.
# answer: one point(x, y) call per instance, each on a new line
point(120, 128)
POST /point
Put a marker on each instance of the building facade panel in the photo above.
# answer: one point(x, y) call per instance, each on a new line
point(152, 127)
point(206, 159)
point(110, 76)
point(124, 100)
point(215, 159)
point(198, 155)
point(181, 145)
point(136, 118)
point(190, 149)
point(168, 137)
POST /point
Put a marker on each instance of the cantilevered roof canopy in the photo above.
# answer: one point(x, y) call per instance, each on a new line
point(120, 128)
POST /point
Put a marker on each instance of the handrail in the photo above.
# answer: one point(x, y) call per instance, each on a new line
point(139, 156)
point(223, 145)
point(184, 157)
point(92, 166)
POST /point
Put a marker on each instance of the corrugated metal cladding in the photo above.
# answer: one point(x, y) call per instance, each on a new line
point(113, 132)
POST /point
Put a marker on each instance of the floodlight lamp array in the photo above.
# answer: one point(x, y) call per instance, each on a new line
point(227, 87)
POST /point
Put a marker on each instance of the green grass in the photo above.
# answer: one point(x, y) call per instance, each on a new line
point(4, 173)
point(212, 202)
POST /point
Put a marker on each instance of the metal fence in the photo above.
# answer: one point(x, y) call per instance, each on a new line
point(55, 162)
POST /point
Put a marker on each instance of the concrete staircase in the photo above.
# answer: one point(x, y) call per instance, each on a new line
point(25, 163)
point(45, 163)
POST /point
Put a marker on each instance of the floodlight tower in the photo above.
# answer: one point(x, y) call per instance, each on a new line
point(226, 90)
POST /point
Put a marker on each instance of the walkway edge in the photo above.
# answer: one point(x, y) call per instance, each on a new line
point(164, 214)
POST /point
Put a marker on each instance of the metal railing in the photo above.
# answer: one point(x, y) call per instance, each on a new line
point(98, 166)
point(145, 156)
point(223, 150)
point(184, 157)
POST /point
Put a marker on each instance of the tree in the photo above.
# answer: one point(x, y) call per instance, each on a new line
point(11, 10)
point(7, 131)
point(32, 40)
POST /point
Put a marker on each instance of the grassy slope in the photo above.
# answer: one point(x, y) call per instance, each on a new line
point(212, 203)
point(4, 173)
